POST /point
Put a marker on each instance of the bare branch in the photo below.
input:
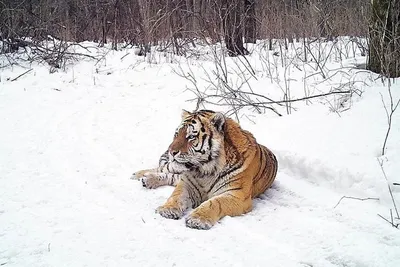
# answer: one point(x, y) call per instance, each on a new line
point(380, 162)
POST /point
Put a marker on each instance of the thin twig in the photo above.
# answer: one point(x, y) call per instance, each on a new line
point(391, 223)
point(390, 190)
point(356, 198)
point(391, 216)
point(389, 115)
point(385, 219)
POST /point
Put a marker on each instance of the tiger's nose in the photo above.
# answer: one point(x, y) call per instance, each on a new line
point(174, 152)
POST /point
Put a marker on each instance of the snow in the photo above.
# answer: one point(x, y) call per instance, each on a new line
point(70, 140)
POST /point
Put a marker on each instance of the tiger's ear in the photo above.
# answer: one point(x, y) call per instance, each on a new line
point(185, 114)
point(218, 120)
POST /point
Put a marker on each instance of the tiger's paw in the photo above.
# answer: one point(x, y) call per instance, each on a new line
point(139, 174)
point(199, 222)
point(151, 180)
point(170, 212)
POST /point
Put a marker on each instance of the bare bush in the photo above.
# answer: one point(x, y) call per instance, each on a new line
point(229, 82)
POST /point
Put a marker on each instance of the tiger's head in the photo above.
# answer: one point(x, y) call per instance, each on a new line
point(198, 139)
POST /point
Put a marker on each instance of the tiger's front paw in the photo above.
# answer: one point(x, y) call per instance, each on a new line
point(151, 180)
point(170, 212)
point(139, 174)
point(197, 221)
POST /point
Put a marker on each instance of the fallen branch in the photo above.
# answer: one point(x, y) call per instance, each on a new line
point(16, 78)
point(356, 198)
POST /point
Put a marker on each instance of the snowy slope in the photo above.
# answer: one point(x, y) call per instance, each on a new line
point(69, 142)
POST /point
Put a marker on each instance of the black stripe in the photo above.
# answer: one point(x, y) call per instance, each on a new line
point(205, 111)
point(265, 167)
point(201, 123)
point(226, 183)
point(189, 165)
point(258, 176)
point(202, 143)
point(275, 165)
point(210, 140)
point(191, 197)
point(214, 183)
point(197, 189)
point(188, 120)
point(219, 205)
point(232, 189)
point(231, 169)
point(170, 179)
point(168, 167)
point(223, 174)
point(237, 197)
point(210, 156)
point(276, 162)
point(164, 157)
point(203, 114)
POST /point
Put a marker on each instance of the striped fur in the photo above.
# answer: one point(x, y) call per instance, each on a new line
point(217, 168)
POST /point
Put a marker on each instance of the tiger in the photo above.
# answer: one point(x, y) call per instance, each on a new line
point(217, 169)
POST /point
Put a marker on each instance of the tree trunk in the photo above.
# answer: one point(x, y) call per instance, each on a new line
point(250, 26)
point(384, 33)
point(233, 33)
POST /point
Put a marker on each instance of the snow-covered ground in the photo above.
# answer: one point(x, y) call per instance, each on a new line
point(70, 140)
